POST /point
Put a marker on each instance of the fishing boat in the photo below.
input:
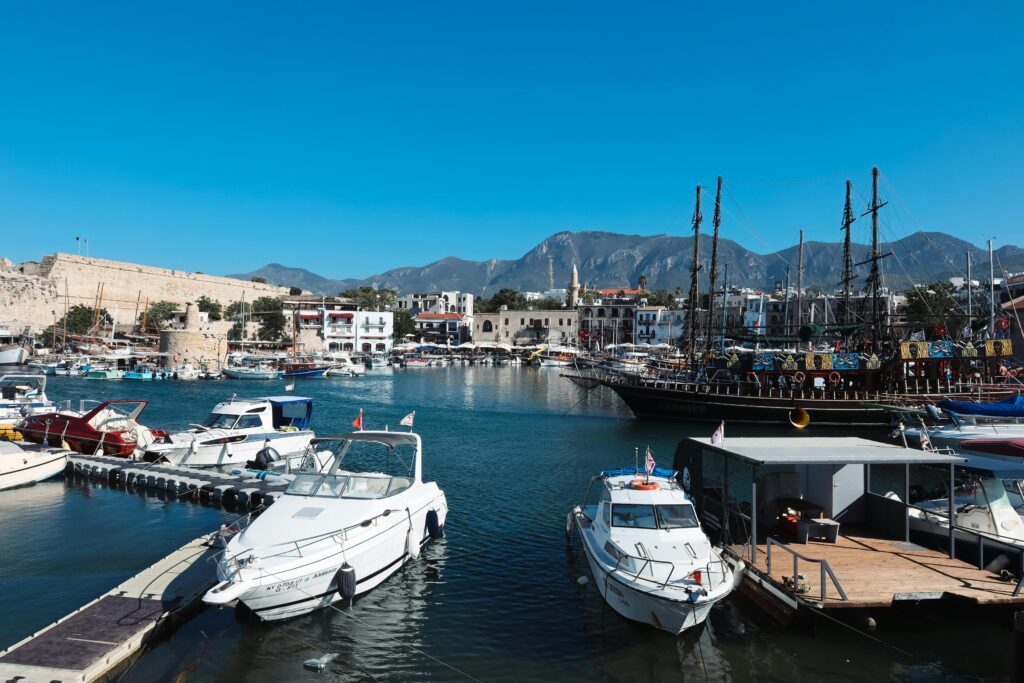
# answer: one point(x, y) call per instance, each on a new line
point(864, 369)
point(333, 535)
point(649, 557)
point(105, 372)
point(556, 356)
point(110, 428)
point(140, 373)
point(303, 368)
point(12, 350)
point(20, 466)
point(261, 371)
point(376, 360)
point(236, 430)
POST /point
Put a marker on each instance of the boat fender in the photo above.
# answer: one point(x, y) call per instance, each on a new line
point(346, 580)
point(568, 522)
point(434, 527)
point(835, 377)
point(412, 545)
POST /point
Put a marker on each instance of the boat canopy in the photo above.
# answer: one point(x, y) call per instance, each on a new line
point(291, 411)
point(997, 468)
point(1011, 406)
point(629, 471)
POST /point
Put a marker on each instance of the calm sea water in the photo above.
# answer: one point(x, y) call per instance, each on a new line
point(498, 599)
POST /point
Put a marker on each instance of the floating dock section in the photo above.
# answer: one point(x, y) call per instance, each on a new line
point(96, 639)
point(198, 485)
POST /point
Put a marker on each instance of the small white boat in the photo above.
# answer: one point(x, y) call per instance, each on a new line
point(344, 366)
point(21, 467)
point(237, 430)
point(263, 371)
point(650, 559)
point(335, 535)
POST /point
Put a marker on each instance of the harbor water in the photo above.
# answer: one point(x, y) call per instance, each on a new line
point(497, 600)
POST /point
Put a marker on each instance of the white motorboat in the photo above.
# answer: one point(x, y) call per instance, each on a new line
point(557, 356)
point(20, 397)
point(236, 430)
point(952, 434)
point(344, 366)
point(262, 371)
point(650, 559)
point(335, 535)
point(21, 466)
point(376, 360)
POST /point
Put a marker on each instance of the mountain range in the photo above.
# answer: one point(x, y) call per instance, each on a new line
point(605, 259)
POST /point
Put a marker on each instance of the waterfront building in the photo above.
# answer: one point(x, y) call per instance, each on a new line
point(436, 302)
point(524, 328)
point(450, 329)
point(659, 325)
point(610, 319)
point(329, 324)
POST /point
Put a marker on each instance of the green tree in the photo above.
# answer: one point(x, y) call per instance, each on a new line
point(548, 303)
point(259, 280)
point(294, 291)
point(80, 320)
point(371, 298)
point(274, 326)
point(589, 296)
point(933, 305)
point(661, 297)
point(404, 324)
point(156, 316)
point(266, 303)
point(213, 310)
point(507, 296)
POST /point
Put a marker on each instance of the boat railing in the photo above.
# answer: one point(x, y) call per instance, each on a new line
point(232, 565)
point(650, 563)
point(824, 569)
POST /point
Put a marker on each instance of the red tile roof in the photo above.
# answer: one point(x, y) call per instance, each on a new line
point(439, 316)
point(613, 291)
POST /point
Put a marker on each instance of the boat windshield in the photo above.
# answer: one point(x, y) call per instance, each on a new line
point(347, 486)
point(219, 421)
point(678, 516)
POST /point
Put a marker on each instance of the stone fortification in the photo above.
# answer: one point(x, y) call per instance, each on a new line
point(34, 297)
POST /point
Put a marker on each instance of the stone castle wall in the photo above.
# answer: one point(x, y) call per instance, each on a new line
point(36, 300)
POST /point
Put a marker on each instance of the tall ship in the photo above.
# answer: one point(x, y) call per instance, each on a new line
point(851, 372)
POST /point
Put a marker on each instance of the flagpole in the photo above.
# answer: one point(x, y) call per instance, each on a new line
point(636, 458)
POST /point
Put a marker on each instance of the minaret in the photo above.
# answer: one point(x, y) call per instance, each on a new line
point(574, 287)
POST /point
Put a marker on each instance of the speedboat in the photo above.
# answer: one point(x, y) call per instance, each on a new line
point(261, 371)
point(111, 428)
point(333, 535)
point(21, 466)
point(376, 360)
point(961, 429)
point(236, 430)
point(344, 366)
point(650, 559)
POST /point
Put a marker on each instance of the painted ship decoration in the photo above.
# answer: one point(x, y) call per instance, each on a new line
point(867, 374)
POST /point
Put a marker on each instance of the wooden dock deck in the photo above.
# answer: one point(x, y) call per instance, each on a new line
point(95, 639)
point(199, 485)
point(876, 572)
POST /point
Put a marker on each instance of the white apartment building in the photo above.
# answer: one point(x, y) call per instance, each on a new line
point(437, 302)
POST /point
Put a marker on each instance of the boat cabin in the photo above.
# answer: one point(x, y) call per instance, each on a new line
point(268, 413)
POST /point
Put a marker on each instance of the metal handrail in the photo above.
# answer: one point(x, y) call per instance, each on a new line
point(647, 561)
point(824, 565)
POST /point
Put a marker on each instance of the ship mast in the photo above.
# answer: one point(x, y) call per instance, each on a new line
point(713, 276)
point(848, 275)
point(875, 278)
point(691, 312)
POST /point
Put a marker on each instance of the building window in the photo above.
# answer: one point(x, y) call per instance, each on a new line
point(506, 322)
point(488, 327)
point(559, 322)
point(522, 321)
point(506, 333)
point(545, 322)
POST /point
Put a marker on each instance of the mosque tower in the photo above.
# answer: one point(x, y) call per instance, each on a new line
point(574, 287)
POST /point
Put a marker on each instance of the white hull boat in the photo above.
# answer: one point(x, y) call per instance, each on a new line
point(650, 559)
point(336, 535)
point(247, 372)
point(13, 354)
point(21, 467)
point(237, 430)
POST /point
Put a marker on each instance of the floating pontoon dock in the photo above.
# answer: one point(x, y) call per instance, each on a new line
point(199, 485)
point(95, 639)
point(801, 513)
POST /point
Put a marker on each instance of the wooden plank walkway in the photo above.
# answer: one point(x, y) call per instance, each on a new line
point(95, 639)
point(876, 572)
point(199, 485)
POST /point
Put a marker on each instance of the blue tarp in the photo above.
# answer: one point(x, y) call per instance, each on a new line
point(624, 471)
point(1012, 406)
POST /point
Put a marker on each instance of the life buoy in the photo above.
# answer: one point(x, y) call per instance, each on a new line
point(799, 377)
point(641, 485)
point(1003, 323)
point(835, 377)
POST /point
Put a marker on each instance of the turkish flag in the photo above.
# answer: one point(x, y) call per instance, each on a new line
point(358, 422)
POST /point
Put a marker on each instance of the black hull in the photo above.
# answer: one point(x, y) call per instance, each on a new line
point(700, 406)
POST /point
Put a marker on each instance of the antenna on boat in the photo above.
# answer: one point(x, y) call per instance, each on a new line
point(691, 313)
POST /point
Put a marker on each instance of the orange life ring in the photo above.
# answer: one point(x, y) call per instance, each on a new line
point(641, 485)
point(835, 377)
point(799, 377)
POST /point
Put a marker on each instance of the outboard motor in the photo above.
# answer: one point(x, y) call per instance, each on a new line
point(265, 459)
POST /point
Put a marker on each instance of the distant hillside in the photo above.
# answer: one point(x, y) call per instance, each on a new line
point(606, 259)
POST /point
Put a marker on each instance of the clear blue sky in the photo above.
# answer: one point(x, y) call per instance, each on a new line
point(349, 138)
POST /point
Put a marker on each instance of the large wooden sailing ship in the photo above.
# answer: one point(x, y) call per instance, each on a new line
point(865, 370)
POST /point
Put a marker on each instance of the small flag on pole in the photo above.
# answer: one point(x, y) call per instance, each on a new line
point(290, 386)
point(358, 422)
point(407, 420)
point(719, 434)
point(649, 463)
point(926, 443)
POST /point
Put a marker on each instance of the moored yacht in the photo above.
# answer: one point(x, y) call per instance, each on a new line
point(236, 430)
point(337, 534)
point(650, 559)
point(20, 466)
point(21, 396)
